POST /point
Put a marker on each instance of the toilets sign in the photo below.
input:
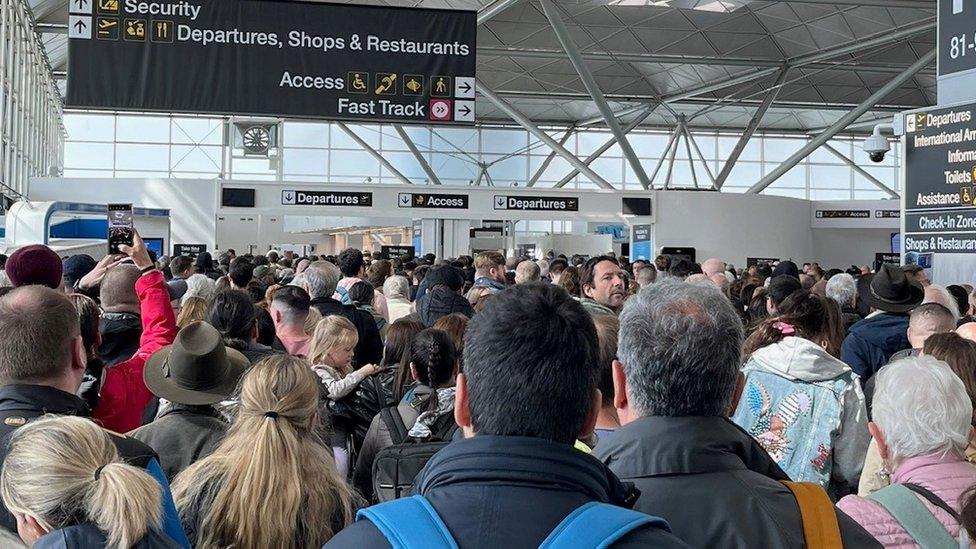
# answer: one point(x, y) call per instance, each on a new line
point(273, 58)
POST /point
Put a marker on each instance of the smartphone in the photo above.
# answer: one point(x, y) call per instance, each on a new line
point(119, 227)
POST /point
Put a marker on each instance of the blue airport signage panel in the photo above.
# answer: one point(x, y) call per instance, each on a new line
point(273, 58)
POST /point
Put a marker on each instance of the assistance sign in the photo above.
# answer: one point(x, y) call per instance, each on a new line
point(270, 58)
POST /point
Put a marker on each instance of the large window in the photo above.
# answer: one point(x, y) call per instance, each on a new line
point(100, 145)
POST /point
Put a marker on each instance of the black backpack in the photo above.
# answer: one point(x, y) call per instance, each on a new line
point(395, 467)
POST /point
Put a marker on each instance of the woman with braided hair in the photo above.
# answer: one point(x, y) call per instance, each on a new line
point(427, 411)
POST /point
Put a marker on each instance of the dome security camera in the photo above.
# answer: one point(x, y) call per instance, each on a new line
point(877, 146)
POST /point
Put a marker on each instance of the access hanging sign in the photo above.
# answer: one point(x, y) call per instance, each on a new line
point(258, 57)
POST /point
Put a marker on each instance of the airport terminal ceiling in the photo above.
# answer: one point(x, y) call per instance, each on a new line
point(715, 62)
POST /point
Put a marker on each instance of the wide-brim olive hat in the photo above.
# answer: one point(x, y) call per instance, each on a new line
point(197, 369)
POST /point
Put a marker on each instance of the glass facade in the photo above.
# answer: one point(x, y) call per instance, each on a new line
point(122, 145)
point(31, 128)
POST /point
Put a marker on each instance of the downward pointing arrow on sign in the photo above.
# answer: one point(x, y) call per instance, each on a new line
point(405, 199)
point(499, 200)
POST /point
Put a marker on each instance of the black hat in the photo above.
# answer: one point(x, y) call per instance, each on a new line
point(446, 275)
point(196, 369)
point(890, 290)
point(76, 267)
point(786, 268)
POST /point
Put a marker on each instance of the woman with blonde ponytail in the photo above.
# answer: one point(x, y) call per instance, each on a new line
point(66, 485)
point(272, 482)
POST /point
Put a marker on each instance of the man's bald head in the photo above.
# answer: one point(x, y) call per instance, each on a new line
point(41, 333)
point(713, 266)
point(118, 290)
point(526, 272)
point(968, 331)
point(720, 280)
point(928, 319)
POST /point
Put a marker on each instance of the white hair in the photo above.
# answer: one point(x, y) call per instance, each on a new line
point(543, 268)
point(198, 285)
point(713, 266)
point(922, 408)
point(396, 287)
point(842, 289)
point(939, 294)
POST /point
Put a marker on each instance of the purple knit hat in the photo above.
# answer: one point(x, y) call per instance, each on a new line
point(34, 264)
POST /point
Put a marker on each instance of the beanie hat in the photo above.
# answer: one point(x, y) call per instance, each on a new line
point(76, 267)
point(34, 264)
point(446, 275)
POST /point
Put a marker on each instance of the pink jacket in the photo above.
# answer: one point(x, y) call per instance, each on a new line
point(947, 476)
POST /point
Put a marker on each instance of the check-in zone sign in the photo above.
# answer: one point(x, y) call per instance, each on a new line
point(537, 204)
point(428, 200)
point(326, 198)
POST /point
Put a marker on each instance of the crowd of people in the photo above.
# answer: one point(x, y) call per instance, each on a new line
point(358, 401)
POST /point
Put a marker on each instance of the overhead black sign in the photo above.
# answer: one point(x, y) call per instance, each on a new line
point(537, 203)
point(887, 214)
point(281, 58)
point(189, 249)
point(886, 257)
point(326, 198)
point(392, 252)
point(957, 36)
point(753, 261)
point(940, 159)
point(429, 200)
point(843, 214)
point(941, 221)
point(954, 243)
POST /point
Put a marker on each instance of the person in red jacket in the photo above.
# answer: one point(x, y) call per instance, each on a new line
point(124, 394)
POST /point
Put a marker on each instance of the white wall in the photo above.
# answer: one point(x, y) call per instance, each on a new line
point(842, 248)
point(733, 226)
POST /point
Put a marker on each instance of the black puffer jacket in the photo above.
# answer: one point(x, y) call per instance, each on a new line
point(440, 302)
point(120, 337)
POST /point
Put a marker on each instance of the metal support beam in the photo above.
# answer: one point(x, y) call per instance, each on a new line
point(523, 121)
point(845, 121)
point(562, 34)
point(874, 180)
point(606, 146)
point(672, 142)
point(893, 4)
point(751, 128)
point(545, 163)
point(691, 159)
point(416, 154)
point(374, 153)
point(701, 157)
point(619, 114)
point(493, 9)
point(678, 132)
point(720, 84)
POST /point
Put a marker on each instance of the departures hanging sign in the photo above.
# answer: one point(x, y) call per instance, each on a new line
point(940, 181)
point(273, 58)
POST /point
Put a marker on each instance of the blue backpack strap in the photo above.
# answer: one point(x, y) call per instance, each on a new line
point(905, 507)
point(409, 523)
point(597, 526)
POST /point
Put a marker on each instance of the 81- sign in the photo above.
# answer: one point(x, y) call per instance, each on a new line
point(959, 44)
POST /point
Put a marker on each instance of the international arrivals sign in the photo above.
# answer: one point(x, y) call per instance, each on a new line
point(273, 58)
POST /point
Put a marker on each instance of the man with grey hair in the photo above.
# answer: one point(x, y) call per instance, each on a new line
point(843, 290)
point(674, 384)
point(321, 279)
point(527, 272)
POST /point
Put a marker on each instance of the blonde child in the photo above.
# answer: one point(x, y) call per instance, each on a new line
point(330, 354)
